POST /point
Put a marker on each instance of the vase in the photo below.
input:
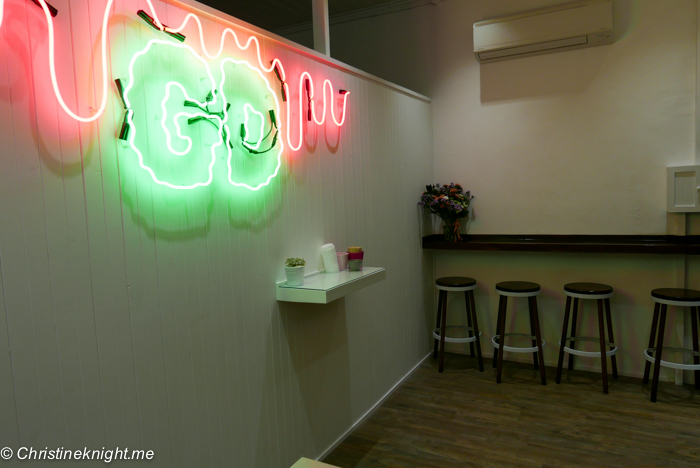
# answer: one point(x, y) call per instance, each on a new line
point(295, 275)
point(448, 231)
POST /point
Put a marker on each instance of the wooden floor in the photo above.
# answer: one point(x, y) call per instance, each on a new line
point(462, 418)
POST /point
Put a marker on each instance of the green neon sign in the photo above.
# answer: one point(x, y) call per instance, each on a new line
point(180, 148)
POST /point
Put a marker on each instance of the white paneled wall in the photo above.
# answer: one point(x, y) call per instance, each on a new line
point(137, 316)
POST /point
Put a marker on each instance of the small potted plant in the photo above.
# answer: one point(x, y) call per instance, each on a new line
point(294, 269)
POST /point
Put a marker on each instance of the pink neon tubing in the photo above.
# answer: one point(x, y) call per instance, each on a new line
point(52, 64)
point(326, 83)
point(251, 39)
point(307, 76)
point(221, 44)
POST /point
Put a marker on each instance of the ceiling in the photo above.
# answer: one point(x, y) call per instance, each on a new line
point(276, 14)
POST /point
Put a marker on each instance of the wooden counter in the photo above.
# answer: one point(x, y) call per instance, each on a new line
point(689, 245)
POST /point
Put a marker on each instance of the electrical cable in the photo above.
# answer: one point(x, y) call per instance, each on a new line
point(253, 148)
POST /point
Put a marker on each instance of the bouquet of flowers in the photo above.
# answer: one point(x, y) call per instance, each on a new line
point(450, 203)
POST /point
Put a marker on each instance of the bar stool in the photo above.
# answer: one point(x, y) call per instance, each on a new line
point(456, 284)
point(518, 289)
point(601, 293)
point(665, 297)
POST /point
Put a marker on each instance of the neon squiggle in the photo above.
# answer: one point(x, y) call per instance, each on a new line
point(252, 39)
point(52, 63)
point(273, 63)
point(326, 84)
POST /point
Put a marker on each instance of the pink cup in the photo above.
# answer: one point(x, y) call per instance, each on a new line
point(356, 256)
point(342, 260)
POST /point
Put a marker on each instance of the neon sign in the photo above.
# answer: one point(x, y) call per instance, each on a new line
point(276, 66)
point(52, 63)
point(306, 79)
point(221, 120)
point(250, 148)
point(168, 87)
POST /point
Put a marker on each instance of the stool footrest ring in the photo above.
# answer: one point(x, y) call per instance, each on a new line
point(468, 339)
point(578, 352)
point(672, 365)
point(512, 349)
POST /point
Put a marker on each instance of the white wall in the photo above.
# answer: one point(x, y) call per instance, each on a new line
point(564, 143)
point(133, 316)
point(567, 143)
point(573, 142)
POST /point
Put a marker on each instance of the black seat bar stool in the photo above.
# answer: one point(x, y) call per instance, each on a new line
point(456, 284)
point(518, 289)
point(601, 293)
point(663, 298)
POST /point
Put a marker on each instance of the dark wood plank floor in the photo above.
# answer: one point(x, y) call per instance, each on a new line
point(462, 418)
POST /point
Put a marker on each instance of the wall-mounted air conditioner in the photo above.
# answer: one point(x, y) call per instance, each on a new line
point(557, 28)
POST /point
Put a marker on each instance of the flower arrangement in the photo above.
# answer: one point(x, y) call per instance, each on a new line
point(450, 203)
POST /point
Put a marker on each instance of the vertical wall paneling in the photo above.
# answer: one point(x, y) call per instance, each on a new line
point(51, 317)
point(9, 430)
point(133, 315)
point(62, 293)
point(19, 231)
point(8, 411)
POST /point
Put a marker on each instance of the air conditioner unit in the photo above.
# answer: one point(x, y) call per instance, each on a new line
point(558, 28)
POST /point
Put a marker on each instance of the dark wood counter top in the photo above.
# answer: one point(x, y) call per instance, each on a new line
point(689, 245)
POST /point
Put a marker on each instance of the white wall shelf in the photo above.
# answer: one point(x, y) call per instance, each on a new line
point(322, 288)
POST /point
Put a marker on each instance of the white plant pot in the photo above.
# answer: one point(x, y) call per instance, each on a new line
point(295, 275)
